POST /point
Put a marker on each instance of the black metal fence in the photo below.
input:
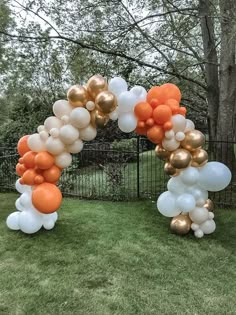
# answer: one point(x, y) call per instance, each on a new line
point(124, 170)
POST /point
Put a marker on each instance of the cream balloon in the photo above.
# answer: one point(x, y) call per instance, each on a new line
point(170, 144)
point(80, 117)
point(198, 233)
point(63, 160)
point(68, 134)
point(179, 136)
point(65, 119)
point(40, 128)
point(208, 226)
point(114, 115)
point(61, 108)
point(169, 134)
point(54, 132)
point(189, 125)
point(75, 147)
point(35, 143)
point(54, 146)
point(199, 215)
point(179, 122)
point(89, 133)
point(90, 105)
point(52, 122)
point(43, 135)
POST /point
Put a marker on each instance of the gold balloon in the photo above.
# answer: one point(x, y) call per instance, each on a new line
point(181, 224)
point(199, 158)
point(209, 205)
point(77, 96)
point(180, 158)
point(95, 85)
point(106, 102)
point(193, 140)
point(170, 170)
point(99, 120)
point(162, 153)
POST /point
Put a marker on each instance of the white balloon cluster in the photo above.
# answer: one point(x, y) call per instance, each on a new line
point(127, 100)
point(27, 218)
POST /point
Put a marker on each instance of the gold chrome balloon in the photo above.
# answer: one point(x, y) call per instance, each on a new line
point(95, 85)
point(77, 96)
point(180, 158)
point(199, 158)
point(209, 205)
point(193, 140)
point(106, 102)
point(162, 153)
point(170, 170)
point(100, 119)
point(181, 224)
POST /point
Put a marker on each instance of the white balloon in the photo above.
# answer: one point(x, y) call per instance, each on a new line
point(68, 134)
point(199, 233)
point(179, 136)
point(52, 122)
point(169, 134)
point(189, 125)
point(80, 117)
point(40, 128)
point(176, 186)
point(22, 188)
point(26, 200)
point(43, 135)
point(52, 216)
point(61, 108)
point(185, 203)
point(199, 194)
point(65, 119)
point(48, 225)
point(194, 226)
point(126, 102)
point(140, 93)
point(19, 205)
point(13, 221)
point(75, 147)
point(90, 105)
point(211, 215)
point(214, 176)
point(63, 160)
point(114, 115)
point(208, 226)
point(117, 85)
point(127, 122)
point(179, 122)
point(199, 215)
point(29, 222)
point(88, 133)
point(54, 132)
point(54, 146)
point(190, 175)
point(166, 204)
point(171, 144)
point(35, 143)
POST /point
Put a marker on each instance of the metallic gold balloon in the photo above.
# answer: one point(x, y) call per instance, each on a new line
point(95, 85)
point(106, 102)
point(170, 170)
point(162, 153)
point(209, 205)
point(180, 158)
point(193, 140)
point(100, 120)
point(199, 157)
point(181, 224)
point(77, 96)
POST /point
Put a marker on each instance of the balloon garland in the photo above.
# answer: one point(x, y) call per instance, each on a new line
point(156, 114)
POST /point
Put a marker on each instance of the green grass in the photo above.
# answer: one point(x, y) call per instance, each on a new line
point(107, 258)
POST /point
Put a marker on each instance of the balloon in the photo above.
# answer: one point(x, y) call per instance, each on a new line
point(43, 135)
point(155, 134)
point(149, 122)
point(52, 174)
point(210, 215)
point(68, 134)
point(46, 198)
point(52, 122)
point(189, 125)
point(77, 96)
point(126, 102)
point(182, 111)
point(35, 143)
point(208, 226)
point(199, 233)
point(143, 111)
point(96, 84)
point(180, 158)
point(90, 105)
point(20, 169)
point(179, 123)
point(61, 108)
point(199, 215)
point(171, 144)
point(54, 132)
point(117, 85)
point(170, 90)
point(48, 225)
point(170, 170)
point(106, 102)
point(51, 216)
point(194, 226)
point(214, 176)
point(22, 188)
point(19, 205)
point(65, 120)
point(173, 104)
point(161, 153)
point(13, 221)
point(29, 176)
point(127, 122)
point(199, 194)
point(114, 115)
point(99, 119)
point(26, 200)
point(181, 224)
point(169, 134)
point(63, 160)
point(139, 92)
point(88, 133)
point(190, 176)
point(166, 204)
point(30, 222)
point(40, 128)
point(156, 93)
point(176, 186)
point(162, 114)
point(209, 205)
point(22, 145)
point(199, 158)
point(44, 160)
point(179, 136)
point(167, 125)
point(193, 140)
point(186, 203)
point(55, 146)
point(75, 147)
point(80, 117)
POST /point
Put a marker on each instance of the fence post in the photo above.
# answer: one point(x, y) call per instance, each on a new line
point(138, 186)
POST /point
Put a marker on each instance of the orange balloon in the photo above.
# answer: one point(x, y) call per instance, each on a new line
point(28, 159)
point(155, 96)
point(22, 145)
point(21, 161)
point(168, 125)
point(44, 160)
point(22, 168)
point(174, 105)
point(46, 198)
point(182, 111)
point(170, 90)
point(143, 111)
point(162, 114)
point(154, 103)
point(155, 134)
point(52, 174)
point(141, 124)
point(150, 122)
point(29, 176)
point(141, 131)
point(38, 179)
point(19, 170)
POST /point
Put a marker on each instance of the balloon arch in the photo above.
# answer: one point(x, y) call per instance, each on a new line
point(156, 114)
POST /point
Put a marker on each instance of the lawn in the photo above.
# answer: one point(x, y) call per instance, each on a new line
point(106, 258)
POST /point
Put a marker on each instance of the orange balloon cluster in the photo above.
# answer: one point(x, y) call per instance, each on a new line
point(154, 115)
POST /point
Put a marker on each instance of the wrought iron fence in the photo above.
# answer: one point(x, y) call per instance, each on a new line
point(120, 172)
